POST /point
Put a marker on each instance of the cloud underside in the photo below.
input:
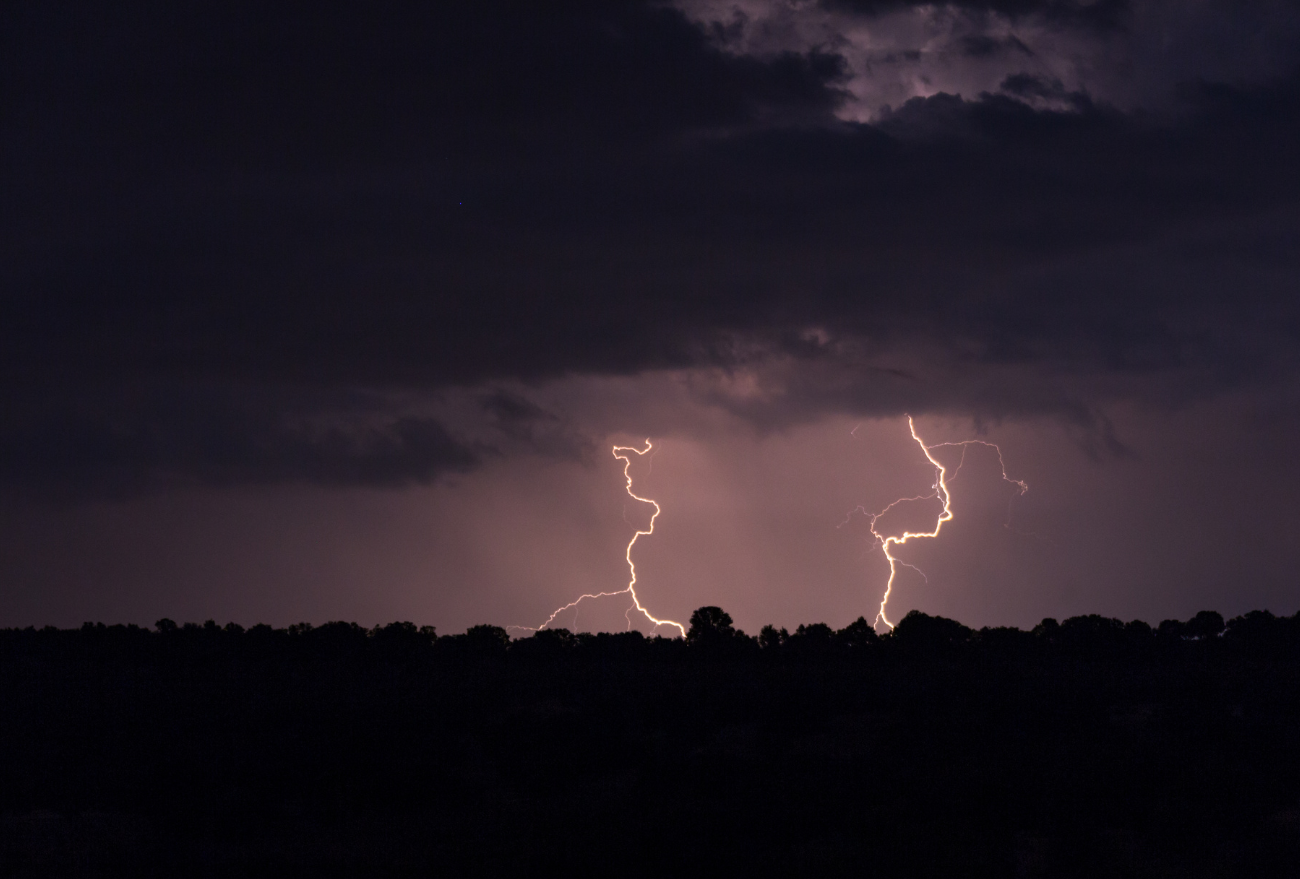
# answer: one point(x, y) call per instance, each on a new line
point(461, 198)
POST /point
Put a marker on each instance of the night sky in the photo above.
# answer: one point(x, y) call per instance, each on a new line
point(333, 311)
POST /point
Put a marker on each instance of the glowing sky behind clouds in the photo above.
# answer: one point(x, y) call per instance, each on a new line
point(750, 523)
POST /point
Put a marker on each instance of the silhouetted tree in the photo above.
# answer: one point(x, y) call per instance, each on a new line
point(1139, 638)
point(544, 643)
point(1004, 640)
point(1206, 624)
point(858, 635)
point(814, 639)
point(1047, 630)
point(481, 640)
point(402, 639)
point(561, 637)
point(487, 637)
point(710, 625)
point(711, 633)
point(394, 630)
point(771, 638)
point(1090, 633)
point(612, 645)
point(819, 632)
point(1139, 630)
point(337, 638)
point(921, 631)
point(1171, 630)
point(1259, 631)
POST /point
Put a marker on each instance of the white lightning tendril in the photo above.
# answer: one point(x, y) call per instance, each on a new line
point(623, 453)
point(939, 490)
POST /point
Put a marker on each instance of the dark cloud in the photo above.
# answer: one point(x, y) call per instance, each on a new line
point(431, 195)
point(1027, 85)
point(984, 46)
point(1092, 14)
point(528, 426)
point(117, 442)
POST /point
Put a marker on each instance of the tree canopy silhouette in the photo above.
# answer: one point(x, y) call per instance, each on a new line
point(313, 749)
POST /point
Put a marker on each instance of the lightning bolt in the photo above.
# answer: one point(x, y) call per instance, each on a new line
point(624, 454)
point(938, 490)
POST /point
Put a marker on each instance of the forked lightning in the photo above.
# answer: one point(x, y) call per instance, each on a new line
point(623, 453)
point(940, 491)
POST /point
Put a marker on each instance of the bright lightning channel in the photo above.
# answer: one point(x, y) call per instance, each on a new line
point(940, 491)
point(624, 453)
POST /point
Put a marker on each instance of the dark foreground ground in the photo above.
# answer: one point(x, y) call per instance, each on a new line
point(1091, 748)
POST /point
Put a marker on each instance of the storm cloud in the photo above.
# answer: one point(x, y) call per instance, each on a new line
point(310, 203)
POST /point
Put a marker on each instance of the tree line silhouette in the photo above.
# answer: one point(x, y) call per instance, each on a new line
point(1076, 748)
point(711, 632)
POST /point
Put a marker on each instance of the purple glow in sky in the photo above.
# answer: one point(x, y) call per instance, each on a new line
point(750, 523)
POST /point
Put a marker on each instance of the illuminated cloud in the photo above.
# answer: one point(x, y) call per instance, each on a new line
point(1126, 53)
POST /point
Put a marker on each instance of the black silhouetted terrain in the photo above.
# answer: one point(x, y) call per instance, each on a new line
point(1090, 747)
